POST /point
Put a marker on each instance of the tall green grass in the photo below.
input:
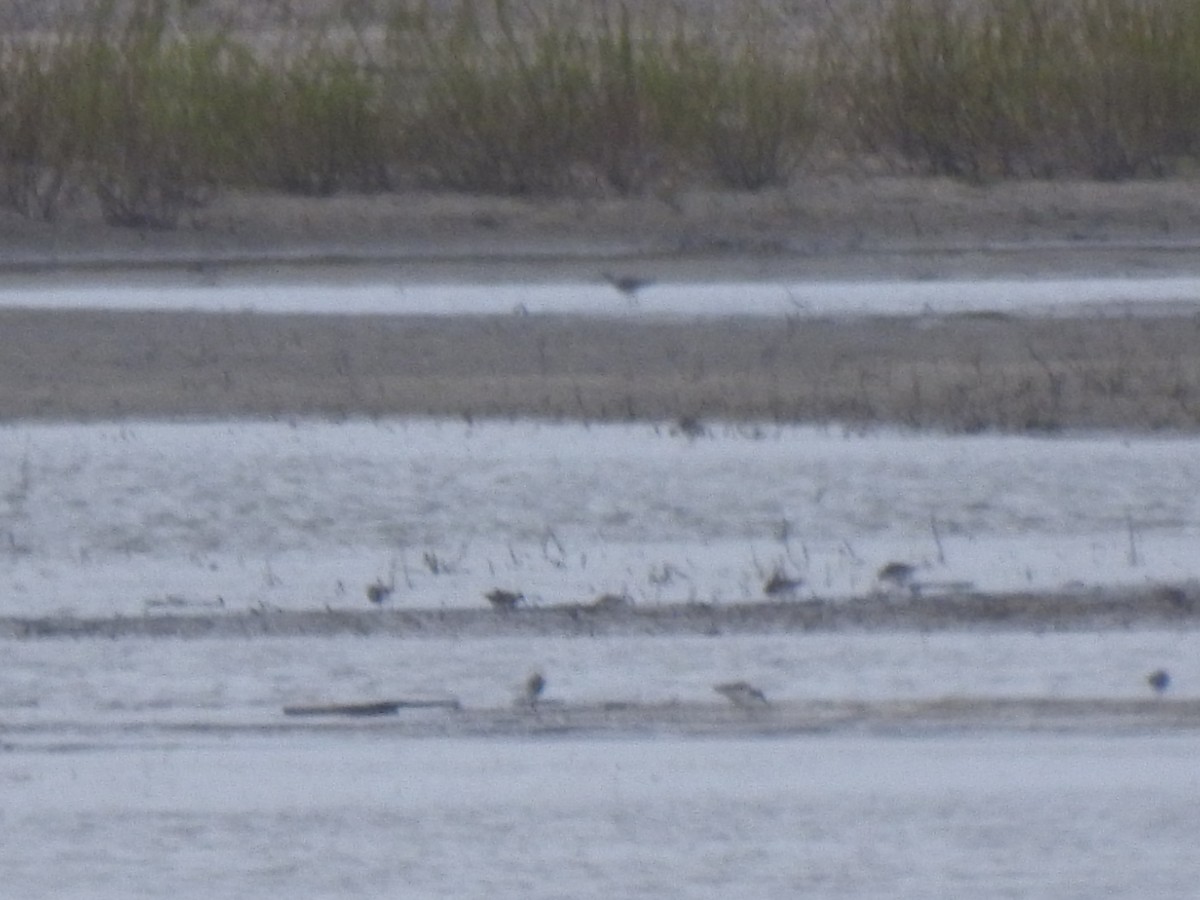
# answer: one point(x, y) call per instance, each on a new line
point(1016, 88)
point(569, 96)
point(149, 107)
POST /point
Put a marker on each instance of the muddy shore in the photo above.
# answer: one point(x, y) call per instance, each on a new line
point(962, 373)
point(820, 226)
point(1158, 607)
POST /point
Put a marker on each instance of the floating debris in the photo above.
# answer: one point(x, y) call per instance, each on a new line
point(370, 708)
point(1159, 680)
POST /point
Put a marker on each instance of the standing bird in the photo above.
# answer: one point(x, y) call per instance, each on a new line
point(502, 599)
point(1159, 680)
point(534, 685)
point(897, 574)
point(629, 285)
point(378, 592)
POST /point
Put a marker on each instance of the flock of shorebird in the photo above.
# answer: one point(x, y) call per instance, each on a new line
point(741, 694)
point(744, 695)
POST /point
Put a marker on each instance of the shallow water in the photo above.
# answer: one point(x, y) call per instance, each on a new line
point(54, 692)
point(366, 816)
point(154, 517)
point(1027, 296)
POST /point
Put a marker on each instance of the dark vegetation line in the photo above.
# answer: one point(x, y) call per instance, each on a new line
point(150, 107)
point(1157, 607)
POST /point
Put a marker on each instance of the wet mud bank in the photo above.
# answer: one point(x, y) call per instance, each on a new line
point(1174, 606)
point(959, 373)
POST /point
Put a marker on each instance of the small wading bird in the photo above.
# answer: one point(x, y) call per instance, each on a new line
point(781, 584)
point(742, 694)
point(897, 574)
point(629, 285)
point(534, 685)
point(378, 592)
point(1159, 680)
point(502, 599)
point(610, 602)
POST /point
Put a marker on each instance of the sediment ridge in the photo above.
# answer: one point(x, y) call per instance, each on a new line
point(1160, 606)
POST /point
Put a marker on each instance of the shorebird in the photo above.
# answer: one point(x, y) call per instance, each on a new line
point(690, 427)
point(742, 694)
point(1159, 680)
point(378, 592)
point(609, 602)
point(629, 285)
point(897, 574)
point(781, 584)
point(534, 685)
point(502, 599)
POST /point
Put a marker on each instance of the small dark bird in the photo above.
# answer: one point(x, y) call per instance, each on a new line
point(502, 599)
point(1159, 680)
point(781, 584)
point(378, 592)
point(690, 427)
point(742, 694)
point(534, 685)
point(898, 574)
point(629, 285)
point(610, 602)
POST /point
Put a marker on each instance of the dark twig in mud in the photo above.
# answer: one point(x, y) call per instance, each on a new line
point(937, 539)
point(558, 558)
point(1133, 550)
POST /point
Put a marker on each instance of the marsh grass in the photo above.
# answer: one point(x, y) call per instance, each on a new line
point(1016, 88)
point(599, 96)
point(322, 126)
point(149, 107)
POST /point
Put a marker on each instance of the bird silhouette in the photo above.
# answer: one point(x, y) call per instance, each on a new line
point(534, 685)
point(502, 599)
point(897, 574)
point(379, 593)
point(629, 285)
point(1159, 680)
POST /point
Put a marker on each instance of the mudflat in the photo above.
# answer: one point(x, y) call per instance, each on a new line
point(959, 372)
